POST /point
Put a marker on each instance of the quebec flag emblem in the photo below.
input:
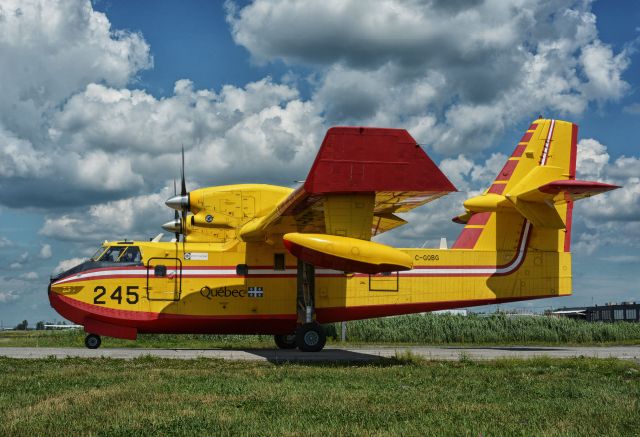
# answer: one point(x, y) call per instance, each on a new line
point(255, 292)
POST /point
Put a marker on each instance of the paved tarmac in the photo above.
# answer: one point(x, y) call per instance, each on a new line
point(370, 353)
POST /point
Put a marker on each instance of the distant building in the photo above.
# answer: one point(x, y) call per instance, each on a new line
point(611, 312)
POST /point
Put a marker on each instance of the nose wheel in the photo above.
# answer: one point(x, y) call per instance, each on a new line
point(92, 341)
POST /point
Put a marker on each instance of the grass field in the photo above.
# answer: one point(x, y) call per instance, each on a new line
point(411, 329)
point(400, 397)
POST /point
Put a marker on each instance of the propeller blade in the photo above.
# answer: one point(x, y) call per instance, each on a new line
point(183, 187)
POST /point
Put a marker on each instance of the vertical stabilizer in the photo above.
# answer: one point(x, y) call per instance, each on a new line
point(532, 197)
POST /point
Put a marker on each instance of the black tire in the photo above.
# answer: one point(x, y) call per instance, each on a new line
point(285, 341)
point(92, 341)
point(311, 337)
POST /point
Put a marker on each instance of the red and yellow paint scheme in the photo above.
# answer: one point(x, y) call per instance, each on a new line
point(261, 259)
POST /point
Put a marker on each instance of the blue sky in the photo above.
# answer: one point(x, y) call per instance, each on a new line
point(97, 98)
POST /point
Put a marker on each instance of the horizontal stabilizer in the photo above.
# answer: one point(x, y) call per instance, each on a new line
point(346, 254)
point(536, 199)
point(462, 219)
point(575, 189)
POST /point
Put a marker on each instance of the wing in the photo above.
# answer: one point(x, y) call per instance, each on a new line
point(360, 178)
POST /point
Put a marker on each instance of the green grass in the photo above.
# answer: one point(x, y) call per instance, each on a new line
point(411, 329)
point(496, 329)
point(75, 338)
point(404, 396)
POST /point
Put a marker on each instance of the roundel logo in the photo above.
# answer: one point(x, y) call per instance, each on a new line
point(208, 218)
point(187, 255)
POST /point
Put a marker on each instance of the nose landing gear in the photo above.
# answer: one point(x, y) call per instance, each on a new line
point(92, 341)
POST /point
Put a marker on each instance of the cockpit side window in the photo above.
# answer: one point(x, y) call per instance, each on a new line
point(112, 254)
point(122, 254)
point(131, 255)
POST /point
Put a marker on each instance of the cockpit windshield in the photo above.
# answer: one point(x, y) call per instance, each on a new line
point(96, 255)
point(124, 254)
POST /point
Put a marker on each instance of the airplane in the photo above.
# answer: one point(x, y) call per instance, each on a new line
point(264, 259)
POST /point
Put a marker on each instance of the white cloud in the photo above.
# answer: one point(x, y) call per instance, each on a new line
point(20, 261)
point(5, 242)
point(18, 158)
point(456, 73)
point(459, 75)
point(29, 276)
point(66, 264)
point(51, 50)
point(128, 218)
point(45, 252)
point(592, 158)
point(603, 70)
point(610, 219)
point(8, 296)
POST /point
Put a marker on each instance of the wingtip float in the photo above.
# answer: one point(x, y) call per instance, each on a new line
point(261, 259)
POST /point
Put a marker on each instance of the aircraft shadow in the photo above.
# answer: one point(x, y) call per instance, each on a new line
point(325, 357)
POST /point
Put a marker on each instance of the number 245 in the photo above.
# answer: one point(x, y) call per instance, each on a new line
point(131, 294)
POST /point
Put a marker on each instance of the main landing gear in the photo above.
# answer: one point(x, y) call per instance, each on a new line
point(309, 337)
point(92, 341)
point(285, 341)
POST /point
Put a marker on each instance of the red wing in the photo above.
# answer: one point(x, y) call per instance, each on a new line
point(360, 162)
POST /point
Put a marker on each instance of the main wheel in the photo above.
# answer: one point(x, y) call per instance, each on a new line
point(310, 337)
point(92, 341)
point(285, 341)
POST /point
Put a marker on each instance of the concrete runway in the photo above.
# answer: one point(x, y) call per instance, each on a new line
point(371, 353)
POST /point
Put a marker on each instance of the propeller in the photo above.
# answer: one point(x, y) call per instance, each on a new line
point(176, 216)
point(178, 203)
point(184, 204)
